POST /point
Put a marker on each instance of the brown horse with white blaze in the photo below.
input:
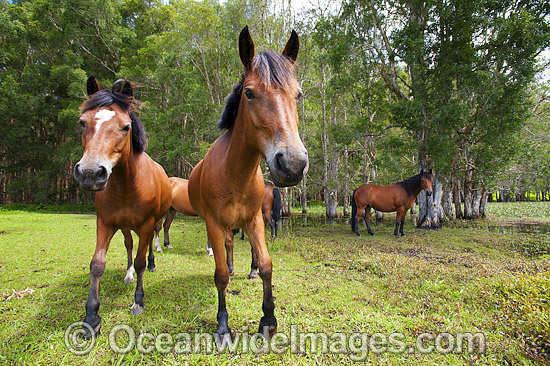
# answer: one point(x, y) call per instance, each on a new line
point(399, 197)
point(226, 188)
point(132, 191)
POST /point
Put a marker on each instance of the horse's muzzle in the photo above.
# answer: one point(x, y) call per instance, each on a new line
point(91, 178)
point(428, 193)
point(288, 167)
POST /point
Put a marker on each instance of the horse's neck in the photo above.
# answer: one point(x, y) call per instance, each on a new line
point(123, 178)
point(242, 158)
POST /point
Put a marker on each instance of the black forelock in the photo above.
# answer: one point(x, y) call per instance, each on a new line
point(104, 98)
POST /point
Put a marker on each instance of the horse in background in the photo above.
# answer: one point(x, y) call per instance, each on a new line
point(271, 209)
point(181, 204)
point(261, 119)
point(399, 197)
point(132, 191)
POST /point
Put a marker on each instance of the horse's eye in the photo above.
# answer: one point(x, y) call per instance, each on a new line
point(126, 128)
point(249, 94)
point(299, 96)
point(82, 123)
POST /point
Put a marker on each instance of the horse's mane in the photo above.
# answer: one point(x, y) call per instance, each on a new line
point(104, 98)
point(413, 183)
point(275, 71)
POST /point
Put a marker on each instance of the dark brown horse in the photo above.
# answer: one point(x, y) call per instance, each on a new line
point(132, 191)
point(399, 197)
point(181, 204)
point(226, 188)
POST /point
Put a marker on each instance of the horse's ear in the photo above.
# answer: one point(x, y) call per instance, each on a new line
point(430, 171)
point(246, 48)
point(92, 86)
point(421, 171)
point(292, 47)
point(123, 86)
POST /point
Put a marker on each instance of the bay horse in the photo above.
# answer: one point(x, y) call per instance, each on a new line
point(226, 187)
point(132, 191)
point(271, 208)
point(399, 197)
point(181, 204)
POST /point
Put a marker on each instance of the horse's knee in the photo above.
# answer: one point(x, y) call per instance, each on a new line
point(97, 268)
point(139, 264)
point(221, 278)
point(265, 267)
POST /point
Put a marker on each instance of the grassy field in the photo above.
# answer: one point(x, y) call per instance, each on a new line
point(464, 278)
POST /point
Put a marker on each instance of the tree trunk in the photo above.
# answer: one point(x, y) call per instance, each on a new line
point(303, 195)
point(286, 201)
point(457, 201)
point(447, 203)
point(483, 204)
point(429, 206)
point(468, 200)
point(331, 203)
point(476, 203)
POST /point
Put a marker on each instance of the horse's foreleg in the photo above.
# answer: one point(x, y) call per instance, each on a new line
point(145, 234)
point(367, 219)
point(253, 265)
point(256, 232)
point(216, 237)
point(129, 244)
point(402, 222)
point(151, 258)
point(170, 215)
point(229, 250)
point(399, 220)
point(97, 267)
point(209, 248)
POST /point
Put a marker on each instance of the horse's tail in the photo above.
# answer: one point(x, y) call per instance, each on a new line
point(353, 211)
point(276, 205)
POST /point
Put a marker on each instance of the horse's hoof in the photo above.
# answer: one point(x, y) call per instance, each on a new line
point(371, 233)
point(128, 280)
point(169, 246)
point(403, 234)
point(253, 275)
point(137, 309)
point(222, 330)
point(210, 252)
point(357, 234)
point(159, 250)
point(90, 331)
point(270, 331)
point(152, 269)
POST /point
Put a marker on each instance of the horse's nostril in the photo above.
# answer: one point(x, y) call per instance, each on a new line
point(77, 174)
point(280, 161)
point(101, 173)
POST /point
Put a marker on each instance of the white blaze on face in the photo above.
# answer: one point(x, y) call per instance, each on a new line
point(101, 116)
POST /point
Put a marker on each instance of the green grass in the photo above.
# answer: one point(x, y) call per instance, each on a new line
point(456, 279)
point(519, 210)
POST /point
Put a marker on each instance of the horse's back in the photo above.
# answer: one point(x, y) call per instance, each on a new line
point(180, 196)
point(381, 198)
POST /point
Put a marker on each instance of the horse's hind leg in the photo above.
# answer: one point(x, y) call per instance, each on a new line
point(256, 232)
point(145, 234)
point(157, 240)
point(97, 267)
point(253, 265)
point(367, 219)
point(128, 243)
point(151, 258)
point(403, 215)
point(170, 215)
